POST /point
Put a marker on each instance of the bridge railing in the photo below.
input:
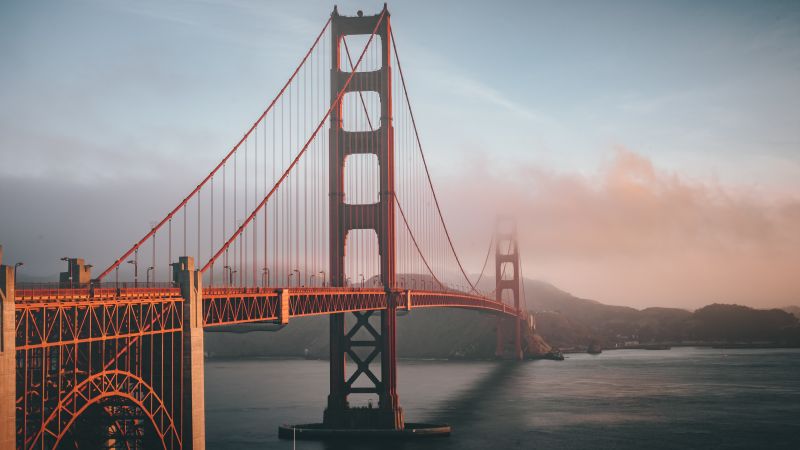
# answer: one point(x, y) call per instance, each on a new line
point(94, 320)
point(432, 299)
point(233, 305)
point(25, 292)
point(57, 292)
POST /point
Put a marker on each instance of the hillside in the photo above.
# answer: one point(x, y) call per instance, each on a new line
point(795, 310)
point(566, 321)
point(569, 322)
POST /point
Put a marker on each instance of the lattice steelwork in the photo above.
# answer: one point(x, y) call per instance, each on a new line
point(111, 353)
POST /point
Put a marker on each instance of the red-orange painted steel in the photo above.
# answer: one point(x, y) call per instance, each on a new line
point(230, 306)
point(84, 349)
point(379, 217)
point(72, 352)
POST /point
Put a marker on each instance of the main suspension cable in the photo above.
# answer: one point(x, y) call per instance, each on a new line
point(396, 200)
point(221, 163)
point(486, 260)
point(300, 154)
point(425, 164)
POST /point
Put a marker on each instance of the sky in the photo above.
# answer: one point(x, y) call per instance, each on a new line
point(651, 150)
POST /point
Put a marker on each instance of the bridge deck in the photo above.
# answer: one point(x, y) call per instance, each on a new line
point(48, 317)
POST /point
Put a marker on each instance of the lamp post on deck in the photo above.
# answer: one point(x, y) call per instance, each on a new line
point(135, 271)
point(296, 271)
point(69, 275)
point(230, 270)
point(17, 266)
point(265, 276)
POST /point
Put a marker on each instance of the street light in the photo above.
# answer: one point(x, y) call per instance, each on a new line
point(16, 266)
point(135, 271)
point(229, 277)
point(88, 267)
point(323, 277)
point(311, 279)
point(362, 280)
point(298, 277)
point(347, 282)
point(230, 274)
point(148, 274)
point(265, 276)
point(69, 274)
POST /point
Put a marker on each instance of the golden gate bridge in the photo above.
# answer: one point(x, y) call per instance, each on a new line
point(325, 206)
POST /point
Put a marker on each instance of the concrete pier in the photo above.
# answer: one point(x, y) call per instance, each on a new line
point(194, 418)
point(8, 357)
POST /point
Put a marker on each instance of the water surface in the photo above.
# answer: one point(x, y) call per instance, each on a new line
point(680, 398)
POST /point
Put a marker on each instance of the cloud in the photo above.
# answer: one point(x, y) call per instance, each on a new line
point(46, 156)
point(635, 234)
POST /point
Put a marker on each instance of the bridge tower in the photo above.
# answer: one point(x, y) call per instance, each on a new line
point(378, 217)
point(507, 278)
point(8, 360)
point(193, 406)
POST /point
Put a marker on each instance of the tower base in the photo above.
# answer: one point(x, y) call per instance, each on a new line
point(364, 419)
point(318, 431)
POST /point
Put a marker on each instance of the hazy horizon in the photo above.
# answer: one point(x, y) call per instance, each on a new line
point(651, 151)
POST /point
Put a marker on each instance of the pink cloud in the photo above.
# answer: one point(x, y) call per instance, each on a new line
point(634, 234)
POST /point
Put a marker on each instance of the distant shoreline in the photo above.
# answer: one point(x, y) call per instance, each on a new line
point(714, 345)
point(464, 359)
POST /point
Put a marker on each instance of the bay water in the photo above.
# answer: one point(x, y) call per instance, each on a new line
point(631, 399)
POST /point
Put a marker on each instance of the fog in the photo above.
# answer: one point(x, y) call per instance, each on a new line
point(629, 233)
point(633, 234)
